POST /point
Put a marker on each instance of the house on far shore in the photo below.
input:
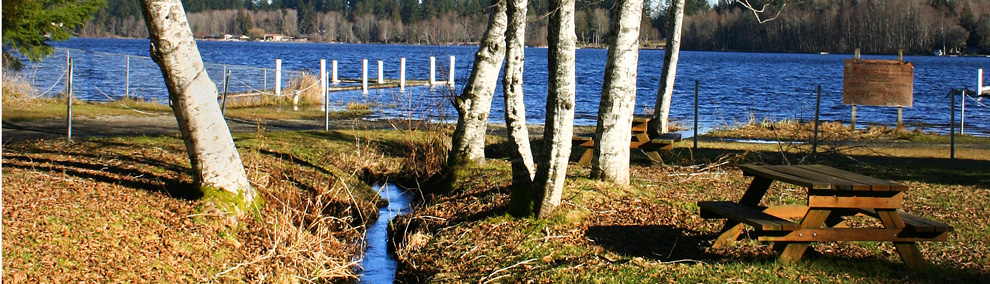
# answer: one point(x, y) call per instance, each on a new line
point(244, 38)
point(274, 37)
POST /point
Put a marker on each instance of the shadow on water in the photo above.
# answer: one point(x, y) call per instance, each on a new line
point(378, 266)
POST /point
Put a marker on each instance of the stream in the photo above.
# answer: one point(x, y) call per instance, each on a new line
point(378, 266)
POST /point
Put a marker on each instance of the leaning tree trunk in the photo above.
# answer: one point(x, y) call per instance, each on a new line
point(473, 106)
point(615, 113)
point(552, 169)
point(523, 168)
point(211, 150)
point(661, 119)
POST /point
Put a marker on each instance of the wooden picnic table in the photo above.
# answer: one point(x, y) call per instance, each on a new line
point(640, 140)
point(832, 194)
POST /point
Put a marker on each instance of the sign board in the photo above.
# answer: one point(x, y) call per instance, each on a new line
point(878, 83)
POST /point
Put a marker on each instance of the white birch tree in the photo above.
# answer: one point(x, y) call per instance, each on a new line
point(474, 104)
point(212, 154)
point(675, 19)
point(523, 168)
point(615, 113)
point(551, 170)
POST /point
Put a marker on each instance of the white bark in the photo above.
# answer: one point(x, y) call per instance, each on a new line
point(552, 169)
point(211, 149)
point(473, 106)
point(615, 113)
point(671, 53)
point(523, 168)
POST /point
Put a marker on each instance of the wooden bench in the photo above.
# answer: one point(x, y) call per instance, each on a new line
point(744, 214)
point(640, 140)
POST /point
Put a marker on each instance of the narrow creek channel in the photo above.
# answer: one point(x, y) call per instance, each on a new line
point(378, 266)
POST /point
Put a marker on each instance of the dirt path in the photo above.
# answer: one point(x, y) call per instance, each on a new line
point(161, 125)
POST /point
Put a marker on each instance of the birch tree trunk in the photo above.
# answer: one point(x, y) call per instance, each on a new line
point(211, 149)
point(615, 113)
point(523, 168)
point(475, 103)
point(552, 169)
point(661, 119)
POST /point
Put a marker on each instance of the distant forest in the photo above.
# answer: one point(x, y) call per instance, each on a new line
point(839, 26)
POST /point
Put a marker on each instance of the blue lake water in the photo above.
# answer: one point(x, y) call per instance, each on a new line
point(734, 86)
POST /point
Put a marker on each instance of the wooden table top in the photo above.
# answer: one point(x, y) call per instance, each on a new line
point(818, 177)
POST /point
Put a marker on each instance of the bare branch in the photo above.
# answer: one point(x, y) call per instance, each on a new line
point(757, 13)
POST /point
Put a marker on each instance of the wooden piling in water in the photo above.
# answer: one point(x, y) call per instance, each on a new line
point(381, 72)
point(364, 76)
point(450, 77)
point(433, 70)
point(334, 79)
point(127, 77)
point(402, 74)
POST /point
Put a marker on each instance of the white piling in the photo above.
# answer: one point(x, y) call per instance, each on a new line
point(450, 77)
point(433, 70)
point(278, 77)
point(381, 73)
point(402, 74)
point(333, 78)
point(364, 76)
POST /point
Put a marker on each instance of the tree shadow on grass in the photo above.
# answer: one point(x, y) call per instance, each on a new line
point(658, 242)
point(129, 177)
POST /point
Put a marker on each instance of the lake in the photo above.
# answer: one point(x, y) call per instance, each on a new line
point(734, 87)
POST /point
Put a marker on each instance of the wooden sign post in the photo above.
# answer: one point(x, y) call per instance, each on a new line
point(878, 83)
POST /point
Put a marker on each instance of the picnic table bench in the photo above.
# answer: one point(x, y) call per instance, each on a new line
point(640, 140)
point(832, 194)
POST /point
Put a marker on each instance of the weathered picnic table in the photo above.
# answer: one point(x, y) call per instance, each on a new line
point(832, 194)
point(640, 140)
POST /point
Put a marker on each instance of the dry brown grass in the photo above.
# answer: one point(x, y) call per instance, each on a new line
point(307, 87)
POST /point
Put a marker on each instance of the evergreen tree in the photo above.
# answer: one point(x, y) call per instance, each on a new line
point(28, 25)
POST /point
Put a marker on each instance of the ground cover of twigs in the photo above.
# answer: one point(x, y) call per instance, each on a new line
point(651, 231)
point(123, 209)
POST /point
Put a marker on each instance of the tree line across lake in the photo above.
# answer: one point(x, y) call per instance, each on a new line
point(839, 26)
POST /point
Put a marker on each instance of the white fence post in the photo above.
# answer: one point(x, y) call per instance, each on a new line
point(402, 74)
point(278, 77)
point(127, 78)
point(364, 76)
point(433, 70)
point(450, 77)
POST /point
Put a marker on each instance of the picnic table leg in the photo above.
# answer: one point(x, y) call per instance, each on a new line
point(729, 234)
point(654, 157)
point(814, 219)
point(732, 229)
point(909, 251)
point(586, 157)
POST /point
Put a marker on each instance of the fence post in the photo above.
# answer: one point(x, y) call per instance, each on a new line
point(450, 77)
point(695, 115)
point(364, 76)
point(402, 74)
point(223, 100)
point(433, 70)
point(818, 106)
point(278, 77)
point(68, 96)
point(952, 126)
point(333, 77)
point(127, 78)
point(381, 73)
point(852, 122)
point(264, 86)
